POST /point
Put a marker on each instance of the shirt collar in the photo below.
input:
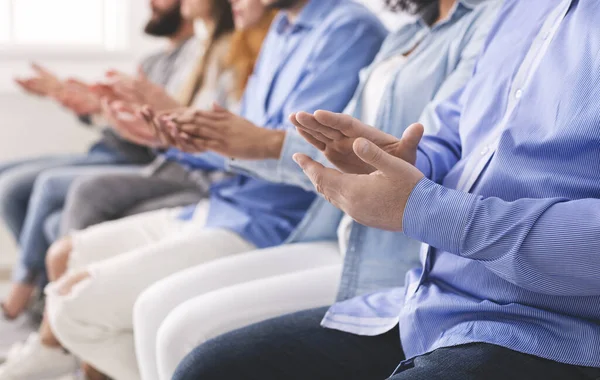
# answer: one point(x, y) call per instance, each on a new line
point(308, 18)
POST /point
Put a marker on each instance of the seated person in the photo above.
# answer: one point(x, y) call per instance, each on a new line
point(167, 182)
point(21, 196)
point(181, 311)
point(41, 352)
point(114, 262)
point(509, 287)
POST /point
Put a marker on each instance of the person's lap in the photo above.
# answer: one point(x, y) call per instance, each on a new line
point(102, 198)
point(95, 320)
point(487, 362)
point(48, 197)
point(296, 347)
point(194, 322)
point(17, 179)
point(242, 289)
point(293, 347)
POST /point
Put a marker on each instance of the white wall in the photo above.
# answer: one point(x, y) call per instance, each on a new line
point(31, 127)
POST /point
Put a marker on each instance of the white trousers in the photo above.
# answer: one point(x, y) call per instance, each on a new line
point(182, 311)
point(95, 321)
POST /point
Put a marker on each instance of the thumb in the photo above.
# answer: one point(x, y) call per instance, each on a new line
point(218, 108)
point(412, 136)
point(39, 69)
point(141, 73)
point(377, 157)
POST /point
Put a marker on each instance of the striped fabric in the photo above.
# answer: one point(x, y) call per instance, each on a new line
point(512, 200)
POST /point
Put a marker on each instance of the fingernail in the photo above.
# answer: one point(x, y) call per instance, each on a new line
point(363, 146)
point(297, 159)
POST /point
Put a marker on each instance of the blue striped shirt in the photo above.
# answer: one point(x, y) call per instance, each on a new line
point(510, 207)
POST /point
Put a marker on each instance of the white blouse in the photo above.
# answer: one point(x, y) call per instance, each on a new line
point(371, 102)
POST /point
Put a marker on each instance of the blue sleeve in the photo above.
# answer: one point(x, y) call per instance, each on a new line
point(331, 77)
point(438, 153)
point(204, 161)
point(332, 73)
point(541, 245)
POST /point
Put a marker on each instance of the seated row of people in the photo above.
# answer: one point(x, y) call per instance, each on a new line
point(240, 283)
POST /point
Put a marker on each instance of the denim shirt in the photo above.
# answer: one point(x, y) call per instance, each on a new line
point(440, 65)
point(312, 63)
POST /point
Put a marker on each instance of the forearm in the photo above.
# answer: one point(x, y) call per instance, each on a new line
point(549, 246)
point(282, 168)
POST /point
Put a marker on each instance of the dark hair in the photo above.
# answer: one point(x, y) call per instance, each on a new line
point(223, 18)
point(412, 6)
point(167, 23)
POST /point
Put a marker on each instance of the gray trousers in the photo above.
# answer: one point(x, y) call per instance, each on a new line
point(102, 198)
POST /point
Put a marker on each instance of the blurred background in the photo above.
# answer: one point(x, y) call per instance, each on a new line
point(80, 38)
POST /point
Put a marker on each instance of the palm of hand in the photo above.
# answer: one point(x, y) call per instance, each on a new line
point(341, 154)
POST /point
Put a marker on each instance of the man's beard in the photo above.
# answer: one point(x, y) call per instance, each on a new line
point(167, 24)
point(283, 4)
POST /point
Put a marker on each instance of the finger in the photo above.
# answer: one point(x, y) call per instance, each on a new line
point(169, 113)
point(112, 73)
point(40, 70)
point(154, 124)
point(21, 82)
point(141, 73)
point(353, 127)
point(412, 136)
point(184, 116)
point(218, 108)
point(203, 116)
point(193, 145)
point(308, 121)
point(378, 158)
point(77, 83)
point(317, 135)
point(166, 133)
point(313, 141)
point(327, 181)
point(125, 94)
point(201, 131)
point(178, 141)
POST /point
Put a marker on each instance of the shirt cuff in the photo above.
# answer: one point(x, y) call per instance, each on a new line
point(285, 169)
point(438, 216)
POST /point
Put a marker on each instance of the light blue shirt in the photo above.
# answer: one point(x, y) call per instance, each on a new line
point(511, 201)
point(440, 65)
point(311, 64)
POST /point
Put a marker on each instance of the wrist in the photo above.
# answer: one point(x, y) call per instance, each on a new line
point(273, 143)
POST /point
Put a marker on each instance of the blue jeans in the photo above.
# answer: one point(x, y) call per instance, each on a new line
point(295, 347)
point(47, 199)
point(18, 177)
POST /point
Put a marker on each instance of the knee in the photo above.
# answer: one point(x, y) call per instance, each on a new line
point(66, 308)
point(206, 362)
point(148, 307)
point(81, 202)
point(175, 339)
point(82, 188)
point(11, 191)
point(58, 257)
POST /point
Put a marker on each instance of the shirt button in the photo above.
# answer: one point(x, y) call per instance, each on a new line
point(519, 94)
point(485, 150)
